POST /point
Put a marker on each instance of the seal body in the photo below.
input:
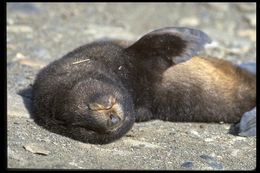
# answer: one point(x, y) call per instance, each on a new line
point(204, 89)
point(96, 92)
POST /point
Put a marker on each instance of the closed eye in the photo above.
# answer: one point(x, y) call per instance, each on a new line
point(99, 107)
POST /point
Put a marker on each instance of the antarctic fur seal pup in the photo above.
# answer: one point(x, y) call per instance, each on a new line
point(95, 92)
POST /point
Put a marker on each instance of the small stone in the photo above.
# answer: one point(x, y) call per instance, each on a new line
point(187, 165)
point(36, 149)
point(190, 21)
point(19, 29)
point(208, 140)
point(212, 45)
point(46, 140)
point(211, 162)
point(226, 126)
point(234, 153)
point(195, 133)
point(129, 135)
point(19, 56)
point(30, 120)
point(32, 63)
point(138, 144)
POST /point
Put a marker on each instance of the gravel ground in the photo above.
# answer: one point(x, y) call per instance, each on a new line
point(38, 33)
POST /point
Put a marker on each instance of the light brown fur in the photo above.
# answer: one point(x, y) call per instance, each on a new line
point(206, 89)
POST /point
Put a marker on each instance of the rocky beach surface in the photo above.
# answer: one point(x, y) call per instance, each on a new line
point(39, 33)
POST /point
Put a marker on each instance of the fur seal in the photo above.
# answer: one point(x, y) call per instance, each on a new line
point(95, 91)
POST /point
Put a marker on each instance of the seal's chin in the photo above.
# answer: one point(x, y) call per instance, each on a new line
point(99, 130)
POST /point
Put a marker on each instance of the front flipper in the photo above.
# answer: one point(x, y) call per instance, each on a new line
point(173, 44)
point(247, 124)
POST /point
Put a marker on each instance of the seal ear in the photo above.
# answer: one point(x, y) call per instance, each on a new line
point(175, 44)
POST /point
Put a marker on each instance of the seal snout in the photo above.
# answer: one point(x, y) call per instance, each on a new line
point(109, 111)
point(114, 119)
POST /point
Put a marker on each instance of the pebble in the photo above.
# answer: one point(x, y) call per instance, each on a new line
point(19, 56)
point(190, 21)
point(187, 165)
point(211, 162)
point(194, 133)
point(36, 149)
point(30, 120)
point(136, 143)
point(19, 29)
point(32, 63)
point(234, 152)
point(208, 139)
point(212, 45)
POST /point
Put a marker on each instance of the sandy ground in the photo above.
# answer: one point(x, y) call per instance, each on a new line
point(38, 33)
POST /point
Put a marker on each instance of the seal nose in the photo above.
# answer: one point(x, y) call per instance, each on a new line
point(114, 119)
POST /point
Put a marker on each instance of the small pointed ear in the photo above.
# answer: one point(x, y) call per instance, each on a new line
point(177, 44)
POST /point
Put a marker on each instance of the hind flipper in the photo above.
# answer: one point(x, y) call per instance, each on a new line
point(173, 44)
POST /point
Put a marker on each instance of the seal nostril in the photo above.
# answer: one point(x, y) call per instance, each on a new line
point(114, 119)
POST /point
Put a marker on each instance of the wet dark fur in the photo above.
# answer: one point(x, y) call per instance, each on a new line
point(61, 85)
